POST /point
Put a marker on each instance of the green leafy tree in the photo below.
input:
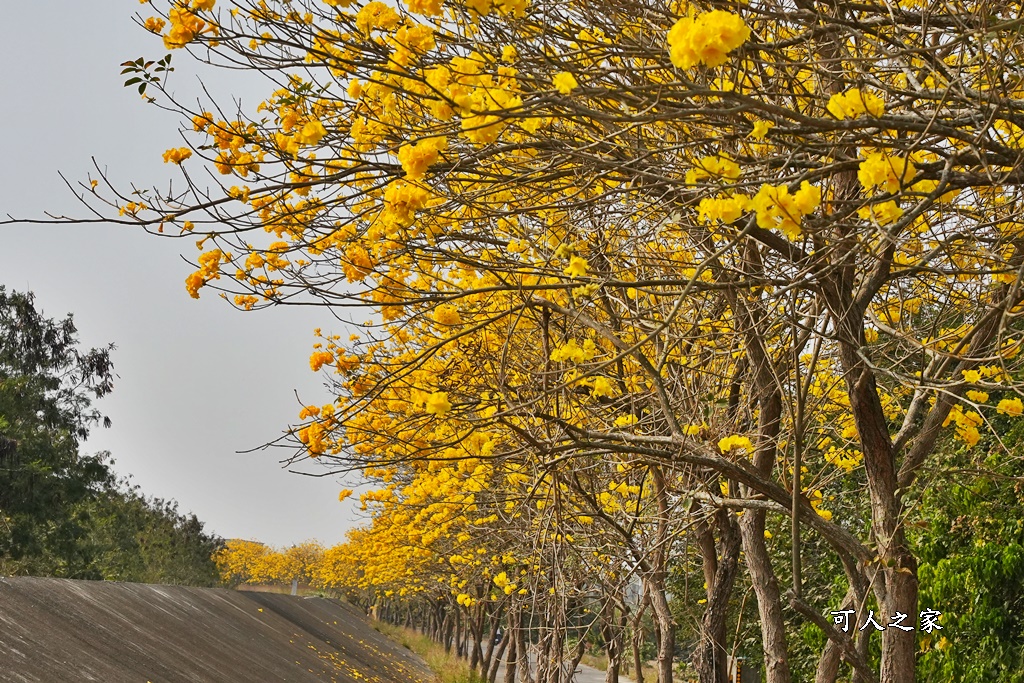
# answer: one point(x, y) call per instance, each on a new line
point(47, 388)
point(148, 540)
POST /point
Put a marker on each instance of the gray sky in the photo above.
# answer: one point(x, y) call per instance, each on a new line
point(198, 381)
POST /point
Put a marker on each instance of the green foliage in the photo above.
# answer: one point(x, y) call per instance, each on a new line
point(47, 386)
point(147, 540)
point(971, 545)
point(63, 513)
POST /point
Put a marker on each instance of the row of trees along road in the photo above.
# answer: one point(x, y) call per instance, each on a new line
point(646, 277)
point(64, 512)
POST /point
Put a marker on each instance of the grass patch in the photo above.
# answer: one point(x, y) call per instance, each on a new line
point(446, 666)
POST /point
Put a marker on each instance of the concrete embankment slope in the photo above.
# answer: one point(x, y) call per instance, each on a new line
point(58, 630)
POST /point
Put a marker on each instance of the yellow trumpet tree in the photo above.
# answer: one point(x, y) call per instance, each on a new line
point(763, 250)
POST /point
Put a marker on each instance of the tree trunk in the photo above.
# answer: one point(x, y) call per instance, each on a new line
point(897, 592)
point(446, 632)
point(492, 671)
point(656, 582)
point(512, 661)
point(523, 652)
point(638, 646)
point(488, 653)
point(666, 631)
point(711, 658)
point(769, 402)
point(612, 642)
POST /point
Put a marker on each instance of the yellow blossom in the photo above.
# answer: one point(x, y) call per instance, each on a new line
point(1011, 406)
point(854, 103)
point(577, 267)
point(729, 443)
point(178, 155)
point(446, 314)
point(761, 129)
point(706, 38)
point(887, 172)
point(437, 404)
point(564, 82)
point(311, 133)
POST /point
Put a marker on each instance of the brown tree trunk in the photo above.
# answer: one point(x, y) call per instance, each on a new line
point(711, 658)
point(523, 652)
point(492, 671)
point(769, 600)
point(446, 632)
point(897, 592)
point(612, 635)
point(638, 645)
point(666, 628)
point(769, 401)
point(512, 660)
point(488, 653)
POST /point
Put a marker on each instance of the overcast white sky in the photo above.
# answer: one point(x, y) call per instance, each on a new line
point(197, 380)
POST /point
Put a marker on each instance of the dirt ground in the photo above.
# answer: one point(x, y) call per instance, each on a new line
point(59, 630)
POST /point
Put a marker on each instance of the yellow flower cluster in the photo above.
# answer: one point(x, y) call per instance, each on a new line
point(706, 39)
point(815, 499)
point(447, 314)
point(777, 208)
point(966, 424)
point(437, 404)
point(185, 26)
point(319, 359)
point(313, 437)
point(577, 267)
point(570, 351)
point(761, 129)
point(311, 133)
point(401, 202)
point(564, 82)
point(854, 103)
point(416, 159)
point(376, 15)
point(846, 459)
point(601, 386)
point(430, 8)
point(501, 581)
point(883, 213)
point(719, 166)
point(132, 208)
point(178, 155)
point(1011, 406)
point(725, 209)
point(733, 442)
point(209, 269)
point(357, 263)
point(887, 172)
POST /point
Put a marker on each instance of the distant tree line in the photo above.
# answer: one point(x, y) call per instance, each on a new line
point(63, 512)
